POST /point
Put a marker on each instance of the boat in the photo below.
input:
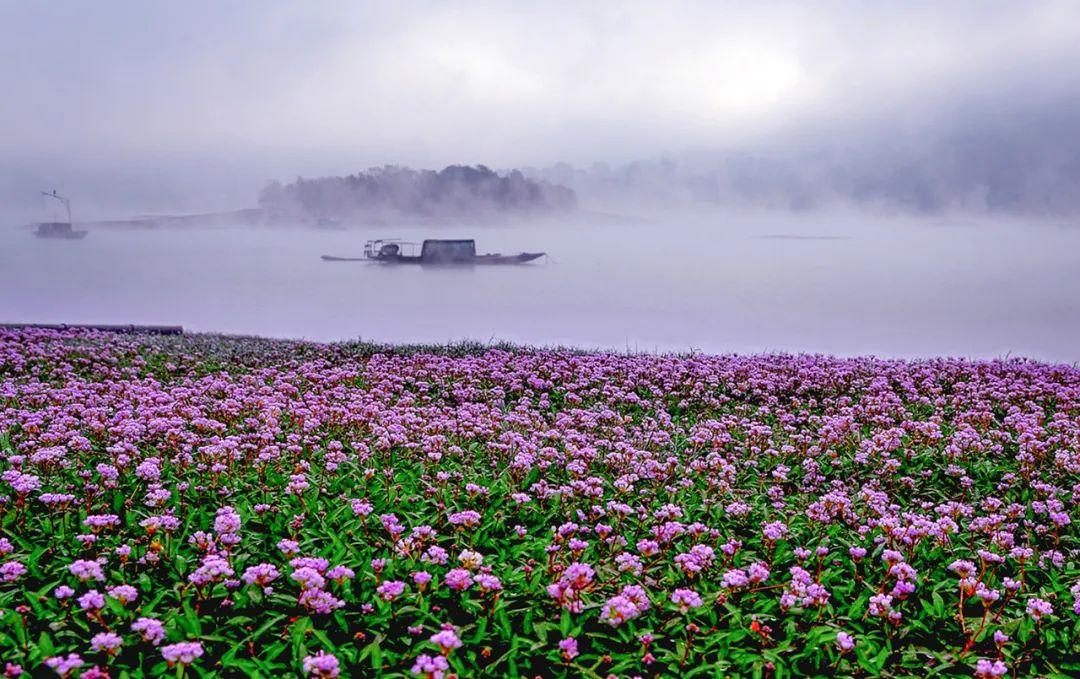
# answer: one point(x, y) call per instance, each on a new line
point(437, 252)
point(58, 230)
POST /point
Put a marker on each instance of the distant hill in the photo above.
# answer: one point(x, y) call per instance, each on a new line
point(385, 192)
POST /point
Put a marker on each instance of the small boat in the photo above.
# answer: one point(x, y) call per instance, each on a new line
point(58, 230)
point(432, 252)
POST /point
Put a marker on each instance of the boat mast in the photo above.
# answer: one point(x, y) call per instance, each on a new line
point(65, 201)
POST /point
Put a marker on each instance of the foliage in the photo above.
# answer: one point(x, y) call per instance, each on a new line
point(457, 190)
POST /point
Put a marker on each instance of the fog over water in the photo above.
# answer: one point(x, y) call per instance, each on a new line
point(710, 282)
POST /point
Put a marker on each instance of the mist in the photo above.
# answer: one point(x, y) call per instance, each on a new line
point(835, 284)
point(132, 108)
point(893, 178)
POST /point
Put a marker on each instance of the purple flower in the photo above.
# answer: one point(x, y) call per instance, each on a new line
point(261, 574)
point(107, 642)
point(734, 579)
point(86, 570)
point(92, 601)
point(125, 594)
point(150, 630)
point(458, 579)
point(487, 582)
point(467, 518)
point(64, 666)
point(183, 653)
point(686, 599)
point(390, 590)
point(431, 667)
point(421, 578)
point(98, 522)
point(844, 642)
point(340, 574)
point(446, 640)
point(774, 531)
point(1037, 608)
point(11, 571)
point(63, 592)
point(319, 601)
point(569, 648)
point(323, 665)
point(880, 605)
point(990, 669)
point(308, 578)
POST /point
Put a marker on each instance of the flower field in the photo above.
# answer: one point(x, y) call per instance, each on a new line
point(206, 506)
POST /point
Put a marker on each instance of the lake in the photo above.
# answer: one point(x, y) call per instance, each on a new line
point(843, 284)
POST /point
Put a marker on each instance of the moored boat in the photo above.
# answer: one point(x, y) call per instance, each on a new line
point(58, 230)
point(436, 252)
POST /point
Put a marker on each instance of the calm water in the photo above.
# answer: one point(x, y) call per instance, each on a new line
point(892, 287)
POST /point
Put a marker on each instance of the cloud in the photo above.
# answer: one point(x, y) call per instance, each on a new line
point(262, 89)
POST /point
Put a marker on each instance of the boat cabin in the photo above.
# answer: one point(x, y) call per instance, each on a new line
point(448, 251)
point(434, 251)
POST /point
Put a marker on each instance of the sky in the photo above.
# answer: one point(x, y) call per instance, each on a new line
point(202, 102)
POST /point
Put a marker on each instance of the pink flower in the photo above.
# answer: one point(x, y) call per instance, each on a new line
point(1037, 608)
point(734, 578)
point(880, 605)
point(421, 578)
point(107, 642)
point(86, 570)
point(12, 571)
point(319, 601)
point(183, 653)
point(63, 592)
point(446, 640)
point(340, 574)
point(390, 590)
point(990, 669)
point(686, 599)
point(618, 610)
point(64, 666)
point(569, 648)
point(844, 642)
point(261, 574)
point(488, 583)
point(322, 665)
point(92, 601)
point(458, 579)
point(467, 518)
point(150, 630)
point(308, 578)
point(431, 667)
point(125, 594)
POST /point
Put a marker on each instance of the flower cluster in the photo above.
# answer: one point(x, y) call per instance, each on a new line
point(336, 510)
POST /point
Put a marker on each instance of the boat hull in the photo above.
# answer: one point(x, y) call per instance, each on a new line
point(73, 235)
point(521, 258)
point(58, 230)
